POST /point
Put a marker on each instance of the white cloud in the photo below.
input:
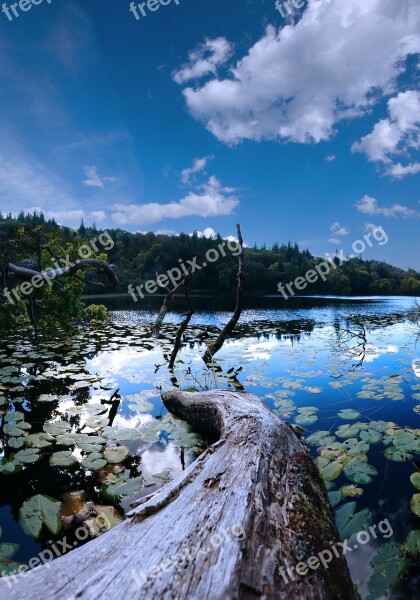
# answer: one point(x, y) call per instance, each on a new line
point(398, 171)
point(370, 227)
point(369, 206)
point(334, 241)
point(199, 165)
point(204, 60)
point(208, 233)
point(94, 179)
point(98, 215)
point(338, 229)
point(330, 158)
point(297, 83)
point(395, 135)
point(215, 200)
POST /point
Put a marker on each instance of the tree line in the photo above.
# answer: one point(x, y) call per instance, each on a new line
point(139, 257)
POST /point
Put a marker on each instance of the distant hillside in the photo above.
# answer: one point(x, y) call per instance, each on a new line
point(139, 257)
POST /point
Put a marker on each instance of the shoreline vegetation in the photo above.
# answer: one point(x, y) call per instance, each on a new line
point(140, 257)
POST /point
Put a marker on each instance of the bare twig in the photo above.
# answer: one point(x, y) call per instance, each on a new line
point(230, 326)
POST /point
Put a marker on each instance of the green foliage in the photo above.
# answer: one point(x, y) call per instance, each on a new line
point(139, 256)
point(43, 246)
point(95, 312)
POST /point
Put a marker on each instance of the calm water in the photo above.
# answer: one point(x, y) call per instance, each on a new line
point(309, 359)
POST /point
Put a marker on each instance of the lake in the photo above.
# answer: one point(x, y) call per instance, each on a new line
point(346, 370)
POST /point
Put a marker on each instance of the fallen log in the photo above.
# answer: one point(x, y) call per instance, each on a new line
point(234, 526)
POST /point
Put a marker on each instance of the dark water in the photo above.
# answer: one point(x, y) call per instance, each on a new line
point(309, 358)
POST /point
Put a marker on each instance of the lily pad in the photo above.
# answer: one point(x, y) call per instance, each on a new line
point(116, 454)
point(350, 522)
point(349, 430)
point(348, 414)
point(332, 470)
point(122, 486)
point(396, 455)
point(320, 438)
point(164, 476)
point(412, 544)
point(63, 459)
point(359, 471)
point(415, 504)
point(8, 566)
point(93, 461)
point(335, 497)
point(415, 479)
point(389, 564)
point(39, 510)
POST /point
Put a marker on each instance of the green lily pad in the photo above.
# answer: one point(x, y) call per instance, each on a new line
point(39, 510)
point(349, 430)
point(350, 522)
point(11, 466)
point(116, 454)
point(164, 476)
point(320, 438)
point(371, 436)
point(348, 414)
point(412, 544)
point(335, 497)
point(93, 461)
point(8, 566)
point(396, 455)
point(415, 479)
point(122, 486)
point(38, 440)
point(63, 459)
point(359, 471)
point(415, 504)
point(351, 491)
point(389, 565)
point(306, 419)
point(332, 470)
point(28, 455)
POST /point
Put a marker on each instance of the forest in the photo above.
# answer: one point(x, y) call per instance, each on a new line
point(138, 257)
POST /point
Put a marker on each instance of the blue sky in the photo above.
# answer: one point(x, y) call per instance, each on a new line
point(212, 112)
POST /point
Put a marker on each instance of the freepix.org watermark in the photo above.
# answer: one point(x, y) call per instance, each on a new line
point(322, 270)
point(336, 551)
point(94, 527)
point(37, 281)
point(150, 5)
point(288, 7)
point(189, 267)
point(187, 555)
point(13, 11)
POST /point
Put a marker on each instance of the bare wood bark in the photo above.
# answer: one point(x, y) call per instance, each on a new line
point(256, 474)
point(167, 305)
point(230, 326)
point(53, 274)
point(182, 327)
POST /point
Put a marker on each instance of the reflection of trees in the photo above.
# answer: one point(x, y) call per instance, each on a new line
point(352, 340)
point(41, 477)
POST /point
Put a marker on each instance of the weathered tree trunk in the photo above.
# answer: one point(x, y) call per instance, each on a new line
point(255, 478)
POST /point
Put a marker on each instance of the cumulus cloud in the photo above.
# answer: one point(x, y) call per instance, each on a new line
point(369, 206)
point(298, 82)
point(397, 134)
point(212, 200)
point(93, 179)
point(199, 165)
point(338, 229)
point(330, 158)
point(204, 60)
